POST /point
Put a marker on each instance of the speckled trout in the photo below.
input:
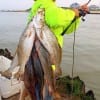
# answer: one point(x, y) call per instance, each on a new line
point(23, 49)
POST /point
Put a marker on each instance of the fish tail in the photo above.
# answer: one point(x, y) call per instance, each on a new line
point(47, 95)
point(51, 95)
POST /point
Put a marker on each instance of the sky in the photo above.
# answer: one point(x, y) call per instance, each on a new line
point(24, 4)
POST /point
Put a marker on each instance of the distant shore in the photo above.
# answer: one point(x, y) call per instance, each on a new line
point(91, 12)
point(27, 10)
point(13, 11)
point(95, 12)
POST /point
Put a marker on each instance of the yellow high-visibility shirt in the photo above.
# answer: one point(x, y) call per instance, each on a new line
point(56, 18)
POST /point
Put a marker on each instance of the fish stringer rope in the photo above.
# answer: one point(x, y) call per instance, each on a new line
point(73, 61)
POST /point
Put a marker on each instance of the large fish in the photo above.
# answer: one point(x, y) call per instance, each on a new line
point(48, 49)
point(23, 50)
point(39, 76)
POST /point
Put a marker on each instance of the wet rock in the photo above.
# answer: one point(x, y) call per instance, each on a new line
point(89, 95)
point(73, 88)
point(5, 52)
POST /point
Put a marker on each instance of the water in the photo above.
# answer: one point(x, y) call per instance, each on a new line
point(87, 47)
point(11, 27)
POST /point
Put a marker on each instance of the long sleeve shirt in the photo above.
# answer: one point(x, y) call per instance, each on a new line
point(56, 18)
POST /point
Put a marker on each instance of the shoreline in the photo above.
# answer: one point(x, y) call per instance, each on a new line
point(13, 11)
point(94, 12)
point(91, 12)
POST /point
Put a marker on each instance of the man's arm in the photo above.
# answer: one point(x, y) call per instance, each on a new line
point(79, 12)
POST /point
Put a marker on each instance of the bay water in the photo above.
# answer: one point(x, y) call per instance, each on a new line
point(87, 46)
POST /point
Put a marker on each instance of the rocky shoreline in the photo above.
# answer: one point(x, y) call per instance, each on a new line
point(69, 88)
point(6, 53)
point(73, 89)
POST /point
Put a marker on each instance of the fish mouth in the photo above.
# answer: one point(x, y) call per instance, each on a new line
point(38, 20)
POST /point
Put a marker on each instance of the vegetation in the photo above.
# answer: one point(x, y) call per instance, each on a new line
point(74, 87)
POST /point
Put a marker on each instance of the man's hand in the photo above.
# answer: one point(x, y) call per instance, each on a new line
point(84, 8)
point(81, 11)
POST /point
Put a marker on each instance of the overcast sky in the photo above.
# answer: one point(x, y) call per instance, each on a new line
point(24, 4)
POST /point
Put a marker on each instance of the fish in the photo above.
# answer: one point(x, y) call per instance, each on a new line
point(23, 50)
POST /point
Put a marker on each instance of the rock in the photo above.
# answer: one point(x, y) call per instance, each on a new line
point(89, 95)
point(8, 87)
point(74, 89)
point(5, 52)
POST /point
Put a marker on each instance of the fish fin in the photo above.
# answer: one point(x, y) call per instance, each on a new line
point(8, 72)
point(14, 63)
point(46, 93)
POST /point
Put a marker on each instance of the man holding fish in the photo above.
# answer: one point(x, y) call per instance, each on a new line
point(59, 21)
